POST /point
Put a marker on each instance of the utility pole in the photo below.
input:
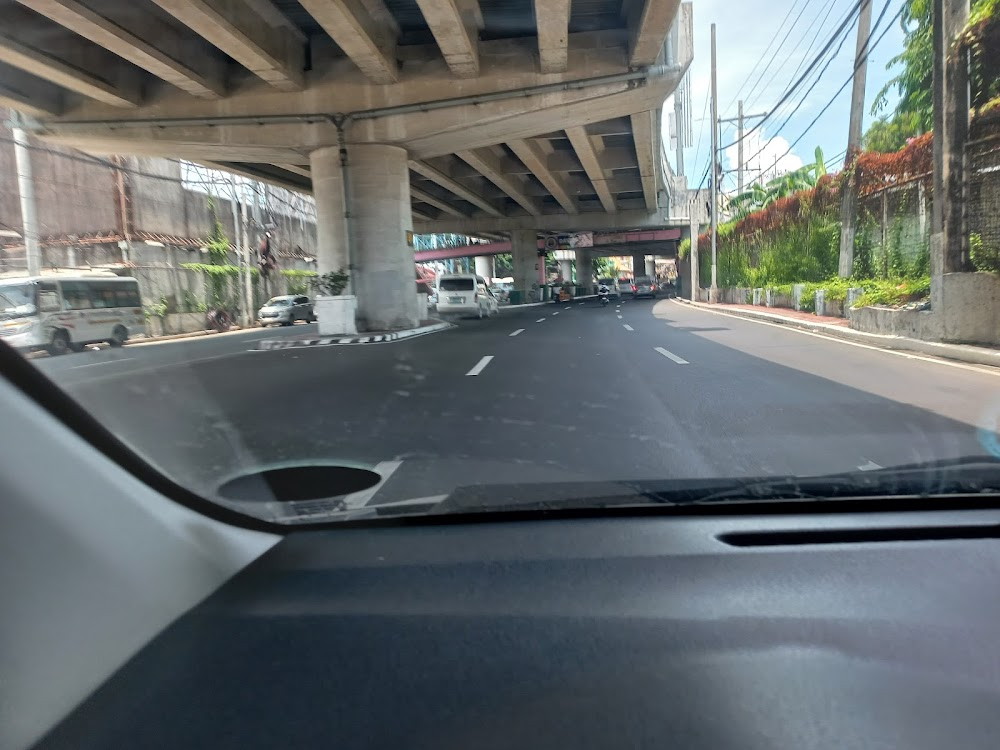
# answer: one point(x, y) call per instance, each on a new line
point(26, 189)
point(237, 243)
point(949, 235)
point(739, 150)
point(248, 278)
point(849, 198)
point(713, 293)
point(740, 121)
point(693, 255)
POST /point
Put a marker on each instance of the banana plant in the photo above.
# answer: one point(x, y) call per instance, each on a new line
point(759, 196)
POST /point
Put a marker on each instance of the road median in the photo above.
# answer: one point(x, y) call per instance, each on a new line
point(382, 337)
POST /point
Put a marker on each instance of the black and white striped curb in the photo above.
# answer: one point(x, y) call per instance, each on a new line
point(375, 338)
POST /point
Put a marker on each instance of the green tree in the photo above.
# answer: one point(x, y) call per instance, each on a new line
point(888, 136)
point(761, 196)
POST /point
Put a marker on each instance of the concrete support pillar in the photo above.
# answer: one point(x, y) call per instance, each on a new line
point(566, 269)
point(331, 226)
point(384, 276)
point(484, 267)
point(585, 269)
point(524, 253)
point(638, 265)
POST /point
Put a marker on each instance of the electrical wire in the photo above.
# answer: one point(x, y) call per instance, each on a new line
point(763, 55)
point(857, 64)
point(780, 47)
point(791, 89)
point(805, 55)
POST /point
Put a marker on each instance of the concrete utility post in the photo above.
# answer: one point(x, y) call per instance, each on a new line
point(248, 278)
point(713, 294)
point(26, 190)
point(949, 238)
point(238, 244)
point(693, 256)
point(849, 198)
point(739, 150)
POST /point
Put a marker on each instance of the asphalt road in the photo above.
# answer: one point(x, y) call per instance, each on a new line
point(567, 392)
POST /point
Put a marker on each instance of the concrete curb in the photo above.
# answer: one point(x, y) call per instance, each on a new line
point(189, 335)
point(375, 338)
point(975, 355)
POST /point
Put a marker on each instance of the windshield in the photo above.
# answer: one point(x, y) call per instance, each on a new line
point(438, 193)
point(17, 299)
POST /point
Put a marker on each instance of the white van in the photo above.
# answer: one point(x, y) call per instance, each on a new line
point(63, 313)
point(465, 294)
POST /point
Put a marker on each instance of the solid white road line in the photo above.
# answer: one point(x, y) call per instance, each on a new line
point(985, 369)
point(107, 362)
point(540, 320)
point(384, 470)
point(480, 366)
point(671, 355)
point(627, 327)
point(519, 330)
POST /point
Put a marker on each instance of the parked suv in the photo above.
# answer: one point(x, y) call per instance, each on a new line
point(285, 310)
point(643, 286)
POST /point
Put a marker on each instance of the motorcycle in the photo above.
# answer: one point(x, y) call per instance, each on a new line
point(605, 295)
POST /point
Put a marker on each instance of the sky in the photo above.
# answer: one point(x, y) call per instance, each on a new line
point(744, 30)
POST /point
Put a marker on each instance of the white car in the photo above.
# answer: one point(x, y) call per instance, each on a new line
point(285, 310)
point(465, 294)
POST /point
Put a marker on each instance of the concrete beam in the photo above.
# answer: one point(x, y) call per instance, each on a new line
point(276, 19)
point(28, 94)
point(424, 197)
point(488, 165)
point(455, 35)
point(533, 158)
point(650, 30)
point(547, 223)
point(418, 214)
point(552, 17)
point(296, 169)
point(273, 54)
point(173, 59)
point(587, 155)
point(56, 71)
point(642, 134)
point(351, 26)
point(253, 174)
point(440, 178)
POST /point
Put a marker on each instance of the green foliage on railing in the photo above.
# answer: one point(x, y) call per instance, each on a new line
point(219, 271)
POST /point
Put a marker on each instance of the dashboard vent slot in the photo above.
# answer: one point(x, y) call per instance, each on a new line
point(795, 537)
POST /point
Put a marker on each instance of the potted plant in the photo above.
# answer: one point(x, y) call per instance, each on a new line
point(335, 312)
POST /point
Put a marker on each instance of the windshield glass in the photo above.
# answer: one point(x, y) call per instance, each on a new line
point(800, 279)
point(17, 298)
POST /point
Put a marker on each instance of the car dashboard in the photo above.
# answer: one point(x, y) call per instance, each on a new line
point(782, 631)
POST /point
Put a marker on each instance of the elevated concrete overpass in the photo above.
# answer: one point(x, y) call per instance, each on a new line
point(480, 116)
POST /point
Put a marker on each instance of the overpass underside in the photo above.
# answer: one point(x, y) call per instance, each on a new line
point(495, 117)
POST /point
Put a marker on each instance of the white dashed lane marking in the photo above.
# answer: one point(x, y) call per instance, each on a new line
point(480, 366)
point(671, 355)
point(519, 330)
point(540, 320)
point(627, 327)
point(619, 317)
point(556, 312)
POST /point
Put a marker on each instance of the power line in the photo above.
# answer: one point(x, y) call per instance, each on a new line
point(780, 47)
point(805, 96)
point(812, 43)
point(791, 90)
point(857, 64)
point(763, 55)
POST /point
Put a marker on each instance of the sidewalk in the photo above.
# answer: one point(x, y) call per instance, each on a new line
point(840, 328)
point(370, 337)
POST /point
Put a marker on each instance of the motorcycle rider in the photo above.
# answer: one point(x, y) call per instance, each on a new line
point(604, 293)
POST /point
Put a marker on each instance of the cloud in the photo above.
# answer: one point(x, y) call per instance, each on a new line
point(762, 154)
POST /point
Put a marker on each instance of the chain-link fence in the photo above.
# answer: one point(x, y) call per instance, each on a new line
point(983, 203)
